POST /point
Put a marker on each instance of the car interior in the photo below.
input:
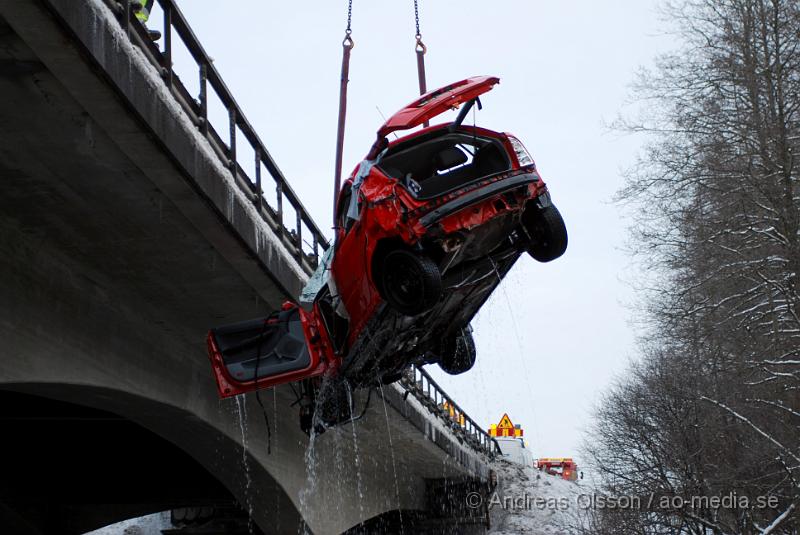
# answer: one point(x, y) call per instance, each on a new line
point(435, 166)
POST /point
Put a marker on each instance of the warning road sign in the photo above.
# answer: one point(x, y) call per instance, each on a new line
point(505, 428)
point(505, 423)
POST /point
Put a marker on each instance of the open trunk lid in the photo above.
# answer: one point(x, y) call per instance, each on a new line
point(436, 102)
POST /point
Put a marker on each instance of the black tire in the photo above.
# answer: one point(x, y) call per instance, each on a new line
point(458, 353)
point(409, 282)
point(547, 234)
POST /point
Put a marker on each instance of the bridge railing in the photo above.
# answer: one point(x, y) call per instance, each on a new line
point(301, 236)
point(418, 383)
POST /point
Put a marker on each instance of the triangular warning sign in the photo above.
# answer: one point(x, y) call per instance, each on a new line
point(505, 423)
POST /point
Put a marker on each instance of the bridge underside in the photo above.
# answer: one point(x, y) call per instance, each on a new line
point(117, 253)
point(70, 469)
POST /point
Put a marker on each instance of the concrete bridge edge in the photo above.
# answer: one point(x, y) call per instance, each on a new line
point(140, 92)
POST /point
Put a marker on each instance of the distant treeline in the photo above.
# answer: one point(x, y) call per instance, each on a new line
point(712, 405)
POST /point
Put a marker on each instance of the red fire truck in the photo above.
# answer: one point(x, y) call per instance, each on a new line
point(563, 467)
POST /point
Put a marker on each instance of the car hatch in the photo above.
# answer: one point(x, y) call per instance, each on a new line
point(436, 102)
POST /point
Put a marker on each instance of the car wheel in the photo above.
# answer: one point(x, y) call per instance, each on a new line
point(410, 283)
point(458, 353)
point(546, 232)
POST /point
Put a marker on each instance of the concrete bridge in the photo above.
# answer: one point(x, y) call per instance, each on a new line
point(128, 226)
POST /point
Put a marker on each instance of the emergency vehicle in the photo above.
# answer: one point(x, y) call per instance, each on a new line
point(563, 467)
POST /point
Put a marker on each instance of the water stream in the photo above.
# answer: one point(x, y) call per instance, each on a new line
point(394, 464)
point(356, 457)
point(307, 493)
point(241, 409)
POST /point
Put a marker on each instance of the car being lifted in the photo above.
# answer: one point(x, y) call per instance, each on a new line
point(427, 226)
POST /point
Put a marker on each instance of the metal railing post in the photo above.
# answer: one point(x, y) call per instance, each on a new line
point(279, 202)
point(128, 11)
point(259, 193)
point(204, 98)
point(168, 44)
point(299, 237)
point(232, 146)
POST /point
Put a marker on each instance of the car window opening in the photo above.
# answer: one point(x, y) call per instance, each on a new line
point(341, 211)
point(436, 166)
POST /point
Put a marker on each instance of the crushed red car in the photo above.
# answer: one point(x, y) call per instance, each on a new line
point(427, 226)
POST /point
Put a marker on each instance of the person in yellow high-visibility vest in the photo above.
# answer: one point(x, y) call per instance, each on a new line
point(142, 9)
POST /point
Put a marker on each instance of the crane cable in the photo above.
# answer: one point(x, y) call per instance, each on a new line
point(420, 49)
point(347, 46)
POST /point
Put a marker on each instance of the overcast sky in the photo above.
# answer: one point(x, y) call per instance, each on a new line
point(552, 336)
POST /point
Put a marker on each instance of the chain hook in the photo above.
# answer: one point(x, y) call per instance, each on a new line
point(347, 46)
point(348, 42)
point(420, 46)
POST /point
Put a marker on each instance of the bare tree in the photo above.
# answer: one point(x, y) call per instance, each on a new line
point(714, 406)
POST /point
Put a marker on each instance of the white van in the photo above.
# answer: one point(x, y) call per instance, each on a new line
point(514, 450)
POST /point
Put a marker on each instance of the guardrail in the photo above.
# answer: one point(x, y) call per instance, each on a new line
point(175, 24)
point(418, 383)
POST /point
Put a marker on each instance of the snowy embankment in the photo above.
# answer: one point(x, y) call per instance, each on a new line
point(146, 525)
point(529, 501)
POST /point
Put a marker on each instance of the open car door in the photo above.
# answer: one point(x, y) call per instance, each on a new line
point(265, 352)
point(436, 102)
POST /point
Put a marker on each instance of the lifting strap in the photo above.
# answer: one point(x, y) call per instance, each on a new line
point(347, 46)
point(420, 49)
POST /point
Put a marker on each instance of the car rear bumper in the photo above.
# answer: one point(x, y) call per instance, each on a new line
point(477, 195)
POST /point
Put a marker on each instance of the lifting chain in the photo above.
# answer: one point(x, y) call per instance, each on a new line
point(416, 18)
point(348, 30)
point(420, 49)
point(347, 46)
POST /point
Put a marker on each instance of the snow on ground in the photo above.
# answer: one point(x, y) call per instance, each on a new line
point(532, 502)
point(146, 525)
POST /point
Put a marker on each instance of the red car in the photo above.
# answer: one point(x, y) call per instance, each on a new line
point(427, 226)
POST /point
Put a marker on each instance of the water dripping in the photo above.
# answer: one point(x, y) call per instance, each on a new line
point(310, 458)
point(520, 352)
point(241, 409)
point(356, 456)
point(394, 464)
